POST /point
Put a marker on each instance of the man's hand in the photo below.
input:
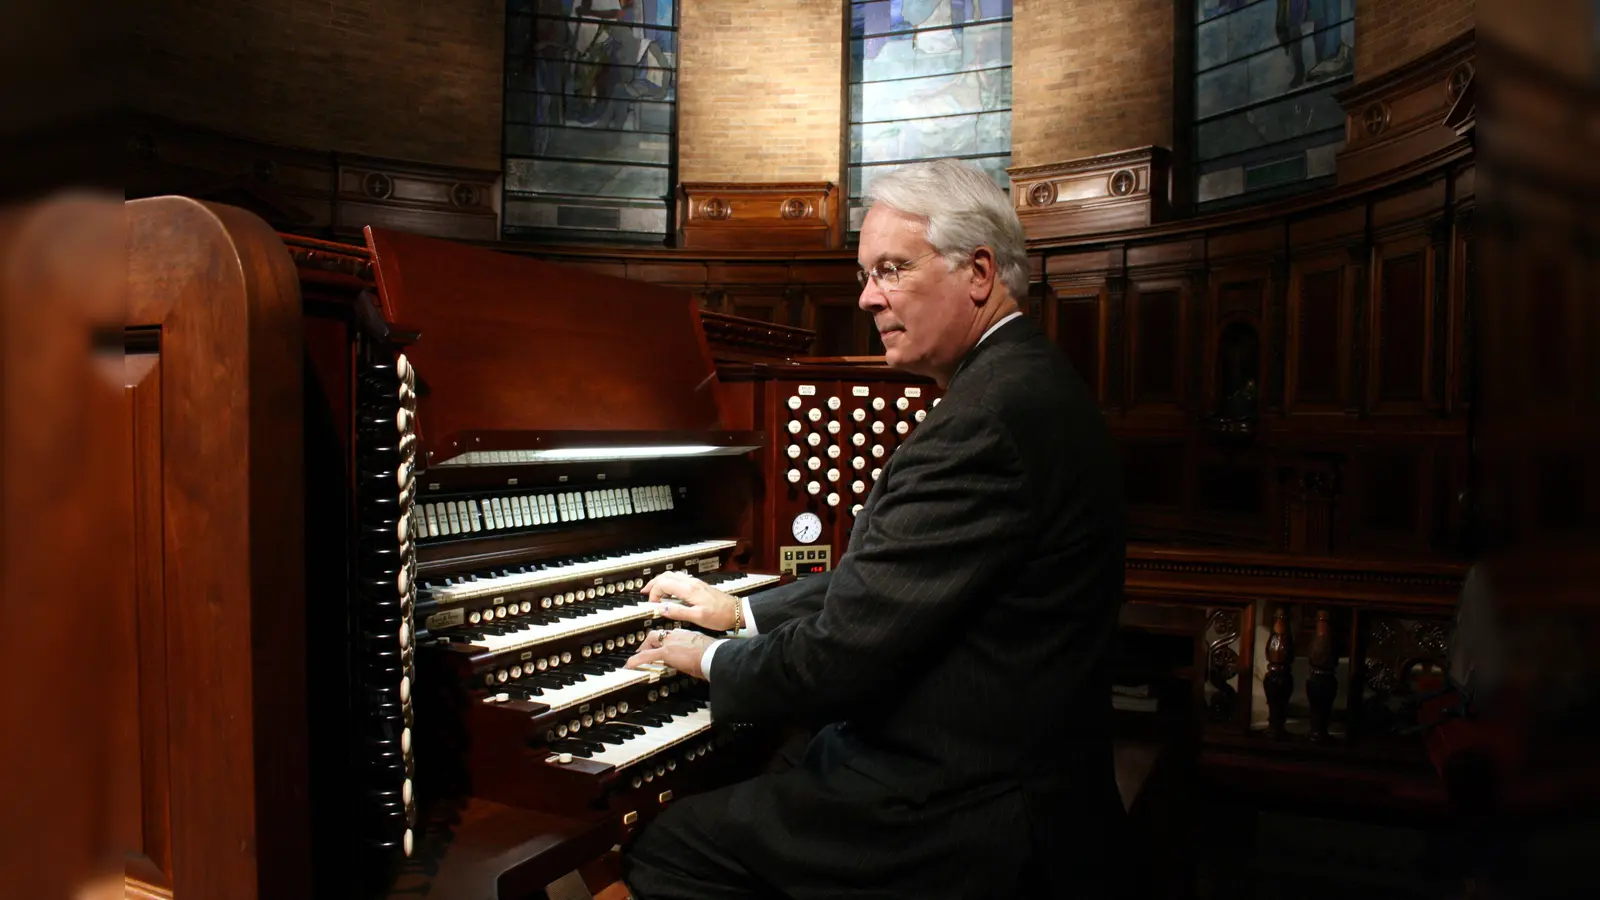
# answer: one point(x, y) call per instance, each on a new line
point(677, 648)
point(701, 604)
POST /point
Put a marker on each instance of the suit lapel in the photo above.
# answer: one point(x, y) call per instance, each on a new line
point(1015, 331)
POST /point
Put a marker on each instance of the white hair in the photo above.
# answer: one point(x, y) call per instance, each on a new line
point(964, 209)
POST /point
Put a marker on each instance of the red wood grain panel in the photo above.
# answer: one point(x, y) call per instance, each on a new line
point(514, 344)
point(221, 289)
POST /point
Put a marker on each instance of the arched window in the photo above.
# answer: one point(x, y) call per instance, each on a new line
point(590, 119)
point(1266, 121)
point(928, 79)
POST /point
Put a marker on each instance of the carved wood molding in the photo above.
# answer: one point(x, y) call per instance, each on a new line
point(766, 216)
point(441, 201)
point(1329, 580)
point(306, 191)
point(1125, 189)
point(1400, 117)
point(729, 335)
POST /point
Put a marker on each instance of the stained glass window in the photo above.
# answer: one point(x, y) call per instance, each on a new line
point(590, 121)
point(1266, 121)
point(928, 79)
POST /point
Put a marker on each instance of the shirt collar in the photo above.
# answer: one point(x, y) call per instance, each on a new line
point(993, 328)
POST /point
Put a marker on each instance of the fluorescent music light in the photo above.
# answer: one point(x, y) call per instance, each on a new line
point(586, 454)
point(582, 454)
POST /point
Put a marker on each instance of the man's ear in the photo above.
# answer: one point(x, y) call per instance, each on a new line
point(983, 275)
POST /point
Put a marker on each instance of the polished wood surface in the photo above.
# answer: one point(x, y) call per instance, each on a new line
point(214, 407)
point(71, 803)
point(758, 216)
point(482, 849)
point(1110, 192)
point(589, 352)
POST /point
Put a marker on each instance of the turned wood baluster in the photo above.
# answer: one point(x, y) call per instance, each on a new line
point(1279, 681)
point(1322, 686)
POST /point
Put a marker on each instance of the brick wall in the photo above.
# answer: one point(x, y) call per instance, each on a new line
point(1092, 76)
point(759, 96)
point(406, 79)
point(1392, 32)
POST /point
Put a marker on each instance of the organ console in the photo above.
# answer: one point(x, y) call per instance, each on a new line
point(532, 445)
point(494, 455)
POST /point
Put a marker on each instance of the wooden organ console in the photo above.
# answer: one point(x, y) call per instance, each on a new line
point(548, 442)
point(831, 424)
point(491, 456)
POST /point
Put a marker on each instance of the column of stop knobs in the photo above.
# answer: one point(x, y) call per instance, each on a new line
point(822, 457)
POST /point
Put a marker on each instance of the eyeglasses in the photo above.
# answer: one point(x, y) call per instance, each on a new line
point(887, 275)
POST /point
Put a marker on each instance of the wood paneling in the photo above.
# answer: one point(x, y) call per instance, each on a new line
point(148, 676)
point(726, 216)
point(1320, 321)
point(1109, 192)
point(1157, 349)
point(1078, 322)
point(1401, 336)
point(1154, 472)
point(1398, 118)
point(217, 291)
point(322, 193)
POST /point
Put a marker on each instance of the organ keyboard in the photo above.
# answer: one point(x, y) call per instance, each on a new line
point(515, 502)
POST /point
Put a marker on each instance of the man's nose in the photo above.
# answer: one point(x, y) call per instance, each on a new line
point(872, 297)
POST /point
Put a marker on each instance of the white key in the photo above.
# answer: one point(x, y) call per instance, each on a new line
point(746, 582)
point(593, 686)
point(599, 618)
point(526, 580)
point(539, 634)
point(656, 739)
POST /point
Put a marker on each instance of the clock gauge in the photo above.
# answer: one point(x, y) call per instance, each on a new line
point(807, 527)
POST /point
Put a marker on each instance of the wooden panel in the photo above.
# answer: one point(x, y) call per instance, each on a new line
point(64, 535)
point(1407, 210)
point(1154, 472)
point(221, 290)
point(1235, 348)
point(1157, 353)
point(763, 309)
point(1319, 332)
point(148, 676)
point(1240, 297)
point(839, 328)
point(752, 273)
point(312, 190)
point(1176, 253)
point(1230, 487)
point(1397, 120)
point(774, 216)
point(1400, 343)
point(1110, 192)
point(673, 273)
point(1068, 264)
point(654, 352)
point(1262, 241)
point(1387, 492)
point(1078, 324)
point(1459, 387)
point(1345, 225)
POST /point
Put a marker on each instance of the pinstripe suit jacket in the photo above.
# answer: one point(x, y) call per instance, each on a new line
point(957, 647)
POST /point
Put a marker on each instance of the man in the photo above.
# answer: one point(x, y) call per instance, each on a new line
point(956, 649)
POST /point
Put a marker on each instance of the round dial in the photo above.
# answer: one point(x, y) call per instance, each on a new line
point(807, 527)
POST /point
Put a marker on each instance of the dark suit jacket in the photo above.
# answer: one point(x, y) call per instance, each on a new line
point(958, 645)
